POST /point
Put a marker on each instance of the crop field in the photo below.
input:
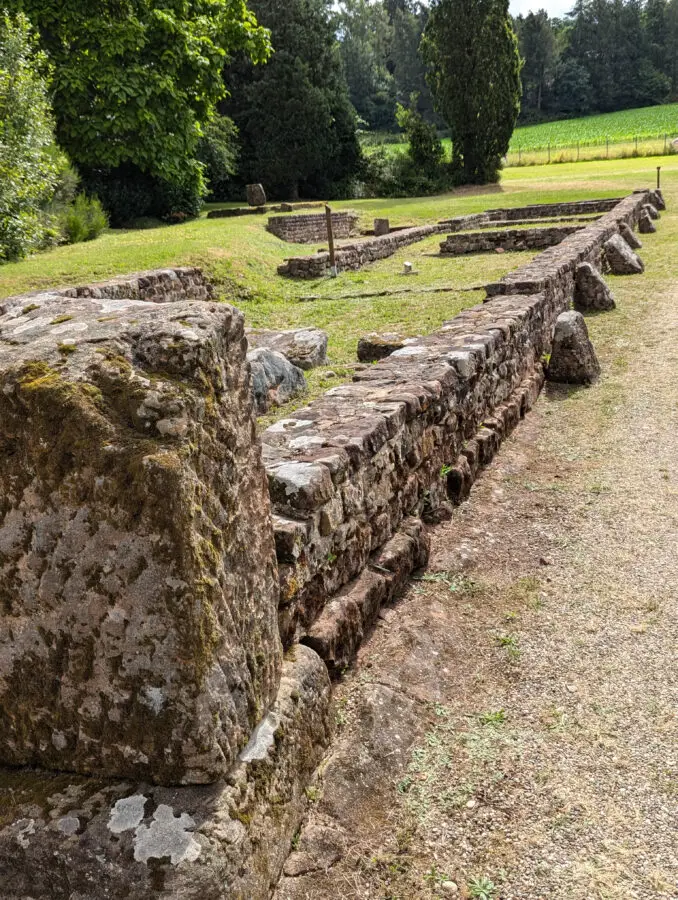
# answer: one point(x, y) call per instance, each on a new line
point(651, 122)
point(647, 131)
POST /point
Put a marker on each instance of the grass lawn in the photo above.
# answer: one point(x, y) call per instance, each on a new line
point(241, 257)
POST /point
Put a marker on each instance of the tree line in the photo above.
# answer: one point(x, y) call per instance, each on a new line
point(606, 55)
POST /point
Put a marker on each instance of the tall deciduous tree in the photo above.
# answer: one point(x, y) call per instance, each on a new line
point(296, 123)
point(135, 80)
point(365, 37)
point(27, 153)
point(473, 55)
point(538, 49)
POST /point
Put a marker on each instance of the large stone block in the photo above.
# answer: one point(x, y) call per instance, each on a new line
point(630, 237)
point(138, 632)
point(275, 380)
point(573, 359)
point(645, 223)
point(73, 838)
point(621, 259)
point(590, 290)
point(256, 195)
point(305, 348)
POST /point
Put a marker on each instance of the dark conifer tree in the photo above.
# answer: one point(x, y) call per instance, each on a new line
point(474, 62)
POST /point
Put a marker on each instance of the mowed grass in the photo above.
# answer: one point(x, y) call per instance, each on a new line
point(242, 257)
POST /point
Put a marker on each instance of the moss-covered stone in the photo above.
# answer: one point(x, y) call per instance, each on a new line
point(138, 597)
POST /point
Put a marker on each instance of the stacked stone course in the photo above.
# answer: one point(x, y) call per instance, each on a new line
point(307, 229)
point(351, 257)
point(507, 239)
point(354, 256)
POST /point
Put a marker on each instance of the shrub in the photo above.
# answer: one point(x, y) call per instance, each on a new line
point(28, 170)
point(84, 220)
point(128, 194)
point(425, 147)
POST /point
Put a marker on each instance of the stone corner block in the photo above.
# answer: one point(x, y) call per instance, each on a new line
point(138, 633)
point(67, 837)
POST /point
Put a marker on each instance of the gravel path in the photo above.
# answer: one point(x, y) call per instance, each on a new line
point(511, 727)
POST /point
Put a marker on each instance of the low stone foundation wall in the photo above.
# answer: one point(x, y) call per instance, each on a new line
point(346, 470)
point(507, 239)
point(529, 213)
point(158, 286)
point(354, 256)
point(350, 257)
point(553, 271)
point(306, 229)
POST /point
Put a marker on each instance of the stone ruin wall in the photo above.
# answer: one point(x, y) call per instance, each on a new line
point(354, 256)
point(345, 471)
point(142, 608)
point(307, 229)
point(351, 257)
point(508, 239)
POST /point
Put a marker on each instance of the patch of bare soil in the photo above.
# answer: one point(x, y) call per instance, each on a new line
point(510, 729)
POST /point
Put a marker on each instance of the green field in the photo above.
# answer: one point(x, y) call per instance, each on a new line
point(651, 122)
point(632, 132)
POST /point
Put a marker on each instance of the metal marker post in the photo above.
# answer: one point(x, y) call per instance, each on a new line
point(330, 241)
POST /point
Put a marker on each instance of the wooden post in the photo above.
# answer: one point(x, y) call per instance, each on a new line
point(330, 241)
point(659, 168)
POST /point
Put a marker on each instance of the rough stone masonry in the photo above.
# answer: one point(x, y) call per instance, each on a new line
point(138, 593)
point(132, 482)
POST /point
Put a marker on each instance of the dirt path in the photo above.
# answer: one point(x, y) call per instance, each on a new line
point(511, 727)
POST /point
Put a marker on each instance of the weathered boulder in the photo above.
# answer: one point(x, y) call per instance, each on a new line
point(375, 346)
point(73, 838)
point(256, 195)
point(630, 236)
point(652, 211)
point(620, 258)
point(573, 359)
point(138, 588)
point(275, 380)
point(590, 290)
point(305, 348)
point(645, 223)
point(656, 198)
